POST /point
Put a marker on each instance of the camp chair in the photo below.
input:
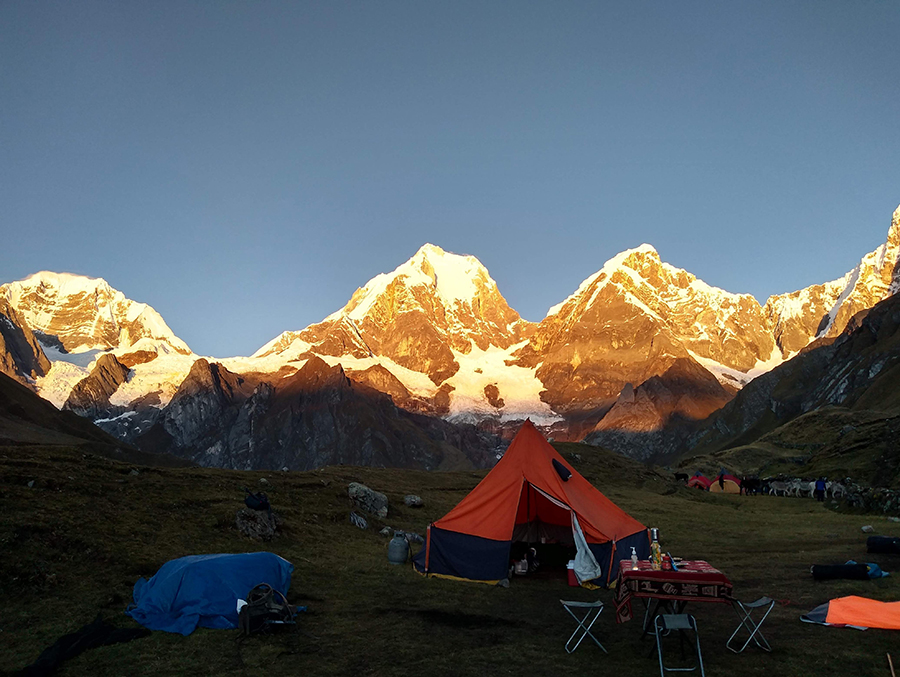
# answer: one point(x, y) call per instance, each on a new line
point(664, 624)
point(744, 611)
point(593, 610)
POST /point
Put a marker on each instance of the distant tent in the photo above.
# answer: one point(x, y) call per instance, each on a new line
point(698, 481)
point(531, 493)
point(726, 483)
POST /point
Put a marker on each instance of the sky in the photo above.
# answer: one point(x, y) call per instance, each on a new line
point(243, 167)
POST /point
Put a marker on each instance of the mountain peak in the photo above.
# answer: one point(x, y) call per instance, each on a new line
point(894, 232)
point(452, 279)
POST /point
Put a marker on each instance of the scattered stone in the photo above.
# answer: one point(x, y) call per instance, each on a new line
point(284, 469)
point(576, 457)
point(385, 532)
point(358, 521)
point(134, 473)
point(367, 499)
point(894, 519)
point(868, 529)
point(263, 480)
point(413, 501)
point(260, 525)
point(31, 484)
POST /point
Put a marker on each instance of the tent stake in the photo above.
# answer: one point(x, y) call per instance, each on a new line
point(891, 663)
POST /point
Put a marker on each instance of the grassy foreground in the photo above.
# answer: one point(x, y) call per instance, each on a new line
point(75, 542)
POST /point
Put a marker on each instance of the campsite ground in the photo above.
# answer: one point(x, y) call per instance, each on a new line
point(75, 542)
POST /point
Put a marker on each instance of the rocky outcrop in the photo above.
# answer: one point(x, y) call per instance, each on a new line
point(652, 421)
point(21, 356)
point(90, 396)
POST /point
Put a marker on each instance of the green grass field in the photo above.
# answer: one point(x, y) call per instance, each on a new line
point(75, 543)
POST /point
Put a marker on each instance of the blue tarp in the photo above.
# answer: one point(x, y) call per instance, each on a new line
point(204, 589)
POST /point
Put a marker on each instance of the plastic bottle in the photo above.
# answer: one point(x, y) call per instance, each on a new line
point(655, 551)
point(634, 558)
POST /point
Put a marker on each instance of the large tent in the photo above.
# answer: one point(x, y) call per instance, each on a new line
point(725, 483)
point(531, 494)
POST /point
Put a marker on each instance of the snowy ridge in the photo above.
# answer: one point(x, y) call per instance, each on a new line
point(106, 305)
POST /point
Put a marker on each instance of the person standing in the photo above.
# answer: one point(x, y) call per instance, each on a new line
point(820, 489)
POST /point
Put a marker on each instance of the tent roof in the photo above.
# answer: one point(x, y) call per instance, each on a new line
point(490, 509)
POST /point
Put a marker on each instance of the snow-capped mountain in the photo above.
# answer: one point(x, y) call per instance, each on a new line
point(632, 321)
point(639, 347)
point(82, 313)
point(77, 319)
point(439, 324)
point(823, 310)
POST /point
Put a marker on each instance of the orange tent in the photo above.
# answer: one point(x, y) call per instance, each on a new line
point(531, 493)
point(725, 483)
point(856, 612)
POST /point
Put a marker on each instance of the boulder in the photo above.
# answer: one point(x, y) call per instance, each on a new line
point(368, 500)
point(413, 501)
point(260, 525)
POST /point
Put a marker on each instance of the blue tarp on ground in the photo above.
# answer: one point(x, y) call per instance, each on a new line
point(204, 589)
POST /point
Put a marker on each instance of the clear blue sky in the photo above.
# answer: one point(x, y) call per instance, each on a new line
point(243, 167)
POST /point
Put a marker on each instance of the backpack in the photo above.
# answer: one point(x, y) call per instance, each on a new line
point(265, 607)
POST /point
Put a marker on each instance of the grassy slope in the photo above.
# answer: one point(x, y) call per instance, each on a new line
point(75, 543)
point(831, 442)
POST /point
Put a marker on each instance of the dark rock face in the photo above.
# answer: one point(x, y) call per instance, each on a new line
point(315, 417)
point(21, 356)
point(652, 421)
point(90, 396)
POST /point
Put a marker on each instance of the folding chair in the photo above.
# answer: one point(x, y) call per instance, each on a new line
point(592, 613)
point(664, 624)
point(744, 611)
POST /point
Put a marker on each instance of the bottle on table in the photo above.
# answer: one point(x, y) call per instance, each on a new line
point(634, 558)
point(655, 550)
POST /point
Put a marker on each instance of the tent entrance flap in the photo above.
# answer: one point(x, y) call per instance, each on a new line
point(586, 566)
point(541, 518)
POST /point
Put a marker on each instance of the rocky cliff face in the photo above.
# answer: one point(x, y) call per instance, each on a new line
point(652, 421)
point(823, 311)
point(315, 417)
point(90, 396)
point(82, 313)
point(21, 356)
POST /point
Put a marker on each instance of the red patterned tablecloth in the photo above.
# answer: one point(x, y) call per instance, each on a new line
point(695, 581)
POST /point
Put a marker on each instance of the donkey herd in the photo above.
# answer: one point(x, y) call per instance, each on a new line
point(751, 486)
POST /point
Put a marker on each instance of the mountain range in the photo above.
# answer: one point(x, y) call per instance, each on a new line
point(428, 366)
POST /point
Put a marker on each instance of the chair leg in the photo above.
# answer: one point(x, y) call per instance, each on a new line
point(583, 630)
point(681, 623)
point(754, 628)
